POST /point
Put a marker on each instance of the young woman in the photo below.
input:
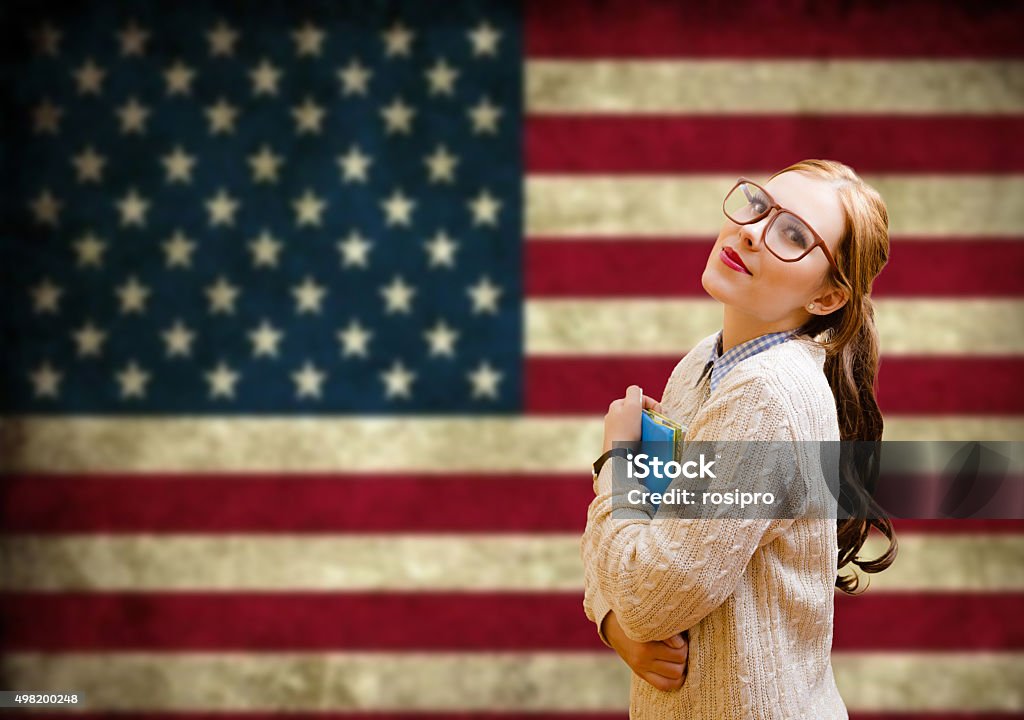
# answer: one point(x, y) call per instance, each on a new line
point(732, 618)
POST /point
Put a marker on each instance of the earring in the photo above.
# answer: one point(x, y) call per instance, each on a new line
point(811, 306)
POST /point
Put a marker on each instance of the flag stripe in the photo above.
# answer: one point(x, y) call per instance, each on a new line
point(403, 562)
point(539, 681)
point(577, 29)
point(698, 144)
point(342, 503)
point(106, 622)
point(626, 206)
point(804, 87)
point(907, 385)
point(655, 326)
point(37, 444)
point(622, 267)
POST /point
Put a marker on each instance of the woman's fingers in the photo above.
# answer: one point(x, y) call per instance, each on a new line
point(675, 641)
point(662, 683)
point(671, 654)
point(671, 670)
point(651, 404)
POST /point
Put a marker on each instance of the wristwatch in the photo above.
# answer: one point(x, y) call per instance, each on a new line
point(622, 452)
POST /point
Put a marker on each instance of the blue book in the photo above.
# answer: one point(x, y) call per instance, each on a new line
point(660, 437)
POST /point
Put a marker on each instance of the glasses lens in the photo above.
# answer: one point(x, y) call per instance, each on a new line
point(745, 203)
point(789, 237)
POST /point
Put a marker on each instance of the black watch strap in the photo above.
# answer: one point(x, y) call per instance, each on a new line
point(622, 452)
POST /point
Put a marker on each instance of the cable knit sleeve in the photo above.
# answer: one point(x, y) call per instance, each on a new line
point(663, 575)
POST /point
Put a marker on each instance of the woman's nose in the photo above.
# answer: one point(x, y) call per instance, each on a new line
point(750, 235)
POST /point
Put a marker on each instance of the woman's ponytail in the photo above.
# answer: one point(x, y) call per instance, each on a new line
point(851, 347)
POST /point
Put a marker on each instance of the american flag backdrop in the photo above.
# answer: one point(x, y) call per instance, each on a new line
point(311, 313)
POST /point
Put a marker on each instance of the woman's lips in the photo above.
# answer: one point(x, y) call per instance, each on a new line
point(730, 258)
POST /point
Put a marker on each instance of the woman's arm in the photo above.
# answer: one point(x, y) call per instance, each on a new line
point(663, 577)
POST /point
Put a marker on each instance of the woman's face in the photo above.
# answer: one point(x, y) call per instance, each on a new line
point(775, 291)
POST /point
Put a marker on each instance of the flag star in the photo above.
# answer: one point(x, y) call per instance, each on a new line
point(133, 40)
point(485, 117)
point(397, 296)
point(133, 380)
point(484, 381)
point(354, 339)
point(178, 339)
point(308, 117)
point(484, 39)
point(46, 297)
point(308, 39)
point(441, 250)
point(46, 117)
point(133, 117)
point(133, 208)
point(398, 117)
point(354, 78)
point(89, 78)
point(89, 340)
point(264, 78)
point(308, 209)
point(133, 296)
point(222, 295)
point(308, 296)
point(222, 380)
point(46, 208)
point(47, 40)
point(441, 339)
point(265, 165)
point(397, 381)
point(441, 165)
point(178, 250)
point(222, 39)
point(179, 78)
point(442, 78)
point(354, 249)
point(354, 165)
point(308, 381)
point(222, 208)
point(89, 165)
point(265, 339)
point(398, 209)
point(265, 250)
point(485, 209)
point(221, 117)
point(90, 250)
point(484, 296)
point(397, 40)
point(178, 165)
point(46, 381)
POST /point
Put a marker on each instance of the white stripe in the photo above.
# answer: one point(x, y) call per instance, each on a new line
point(524, 562)
point(642, 326)
point(462, 682)
point(368, 444)
point(803, 87)
point(628, 206)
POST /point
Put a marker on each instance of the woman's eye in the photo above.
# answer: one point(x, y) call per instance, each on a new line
point(796, 237)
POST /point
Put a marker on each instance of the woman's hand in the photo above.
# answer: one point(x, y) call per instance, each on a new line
point(662, 663)
point(622, 422)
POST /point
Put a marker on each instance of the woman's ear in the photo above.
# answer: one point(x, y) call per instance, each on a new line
point(830, 300)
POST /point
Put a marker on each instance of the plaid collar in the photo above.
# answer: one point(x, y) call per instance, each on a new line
point(721, 364)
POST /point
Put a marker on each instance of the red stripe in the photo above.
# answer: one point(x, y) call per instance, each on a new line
point(672, 267)
point(81, 622)
point(214, 504)
point(767, 29)
point(648, 144)
point(976, 385)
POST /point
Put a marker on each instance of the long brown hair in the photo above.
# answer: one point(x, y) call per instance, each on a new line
point(851, 359)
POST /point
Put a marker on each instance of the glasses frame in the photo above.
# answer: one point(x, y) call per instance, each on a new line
point(818, 242)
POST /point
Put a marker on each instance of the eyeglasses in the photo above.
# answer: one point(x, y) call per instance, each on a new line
point(787, 236)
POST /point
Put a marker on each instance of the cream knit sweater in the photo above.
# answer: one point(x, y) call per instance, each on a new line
point(755, 594)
